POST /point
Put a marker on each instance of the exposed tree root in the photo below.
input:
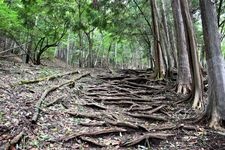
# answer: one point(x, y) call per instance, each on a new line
point(156, 109)
point(114, 77)
point(183, 88)
point(215, 121)
point(14, 141)
point(147, 116)
point(166, 127)
point(40, 101)
point(143, 86)
point(148, 108)
point(94, 105)
point(46, 92)
point(121, 89)
point(94, 133)
point(197, 100)
point(137, 80)
point(121, 98)
point(133, 99)
point(148, 136)
point(91, 142)
point(123, 124)
point(96, 116)
point(107, 120)
point(145, 92)
point(46, 78)
point(187, 98)
point(97, 89)
point(189, 127)
point(110, 95)
point(126, 86)
point(121, 103)
point(93, 124)
point(55, 101)
point(140, 108)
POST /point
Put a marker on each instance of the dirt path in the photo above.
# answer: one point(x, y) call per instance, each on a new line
point(94, 109)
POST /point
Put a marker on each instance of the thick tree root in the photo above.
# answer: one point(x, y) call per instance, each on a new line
point(197, 101)
point(96, 116)
point(95, 133)
point(40, 101)
point(148, 136)
point(147, 116)
point(91, 141)
point(183, 88)
point(55, 101)
point(46, 92)
point(94, 105)
point(46, 78)
point(215, 121)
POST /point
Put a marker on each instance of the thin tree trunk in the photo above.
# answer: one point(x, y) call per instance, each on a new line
point(159, 68)
point(29, 49)
point(68, 50)
point(167, 41)
point(173, 45)
point(115, 54)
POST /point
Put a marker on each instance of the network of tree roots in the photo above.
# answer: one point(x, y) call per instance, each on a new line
point(46, 107)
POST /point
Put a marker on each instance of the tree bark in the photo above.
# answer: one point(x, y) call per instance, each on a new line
point(167, 40)
point(68, 53)
point(193, 58)
point(173, 44)
point(159, 67)
point(184, 74)
point(216, 66)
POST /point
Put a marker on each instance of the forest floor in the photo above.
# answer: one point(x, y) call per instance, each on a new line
point(95, 109)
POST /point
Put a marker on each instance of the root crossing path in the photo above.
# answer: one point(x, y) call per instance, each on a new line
point(57, 108)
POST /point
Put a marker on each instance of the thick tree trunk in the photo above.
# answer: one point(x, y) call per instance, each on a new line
point(216, 66)
point(193, 58)
point(159, 67)
point(184, 75)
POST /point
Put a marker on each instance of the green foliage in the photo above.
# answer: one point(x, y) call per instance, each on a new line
point(49, 54)
point(110, 29)
point(9, 18)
